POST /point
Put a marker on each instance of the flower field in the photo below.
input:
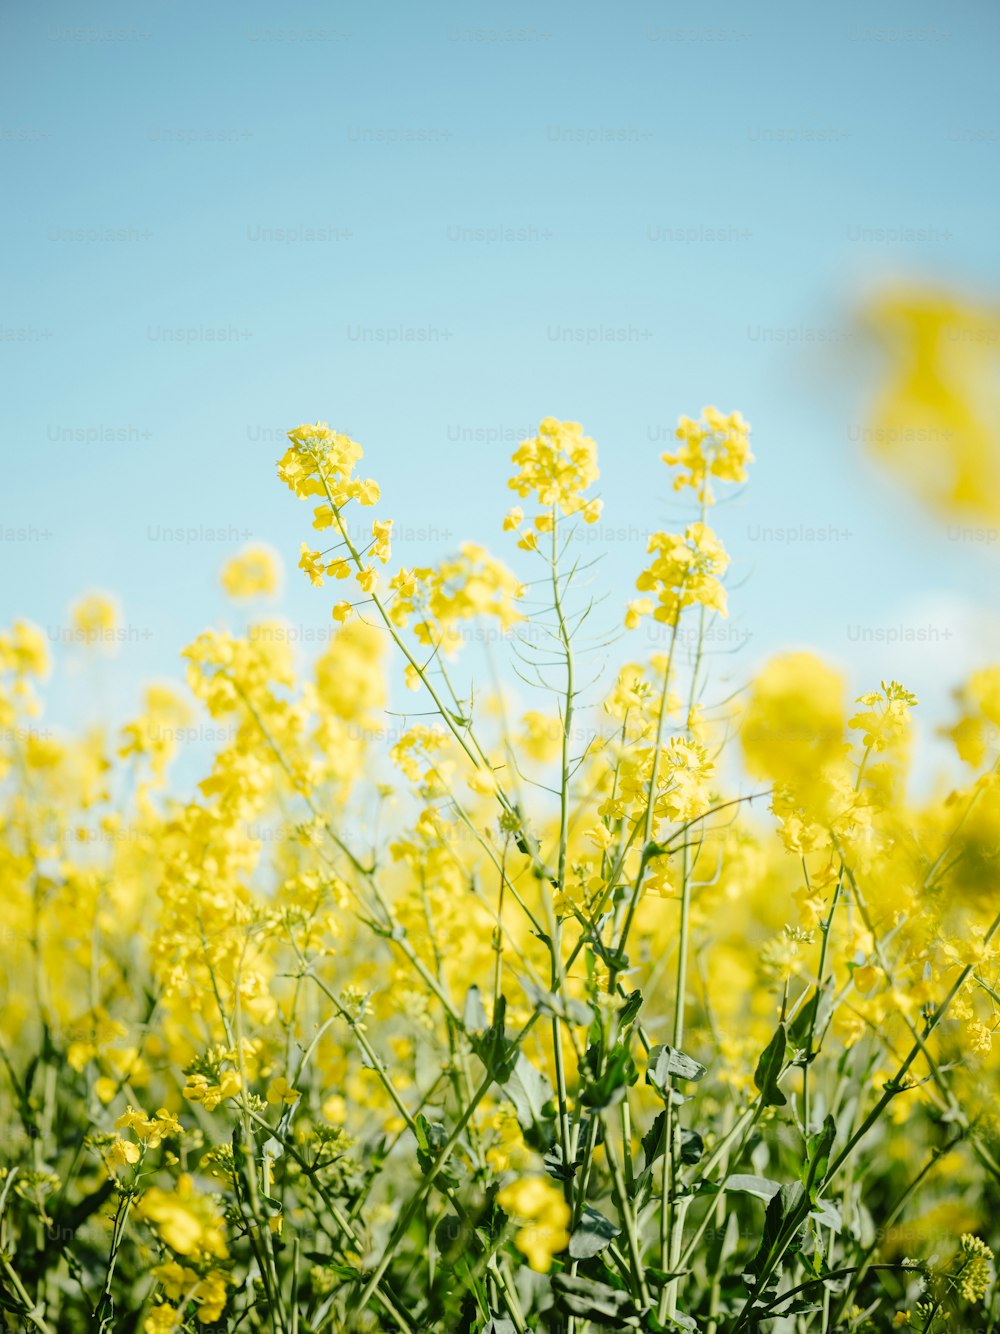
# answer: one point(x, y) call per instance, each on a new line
point(656, 1007)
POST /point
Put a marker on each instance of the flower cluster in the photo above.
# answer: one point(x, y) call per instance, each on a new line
point(253, 572)
point(517, 1011)
point(542, 1215)
point(320, 462)
point(556, 466)
point(684, 573)
point(714, 446)
point(436, 601)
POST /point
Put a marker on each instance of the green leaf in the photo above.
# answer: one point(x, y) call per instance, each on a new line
point(762, 1187)
point(666, 1063)
point(818, 1158)
point(344, 1272)
point(676, 1321)
point(557, 1166)
point(652, 1141)
point(769, 1067)
point(631, 1007)
point(592, 1234)
point(529, 1090)
point(493, 1047)
point(828, 1214)
point(804, 1022)
point(431, 1138)
point(785, 1207)
point(692, 1147)
point(595, 1301)
point(660, 1277)
point(725, 1244)
point(609, 1088)
point(692, 1144)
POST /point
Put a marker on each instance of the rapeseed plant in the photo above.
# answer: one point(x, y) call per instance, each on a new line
point(589, 1035)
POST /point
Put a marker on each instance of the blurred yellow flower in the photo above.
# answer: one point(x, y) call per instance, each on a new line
point(253, 572)
point(190, 1223)
point(539, 1205)
point(95, 619)
point(936, 421)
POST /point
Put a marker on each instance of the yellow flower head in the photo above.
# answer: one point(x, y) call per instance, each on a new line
point(545, 1215)
point(95, 618)
point(279, 1090)
point(320, 462)
point(253, 572)
point(794, 721)
point(684, 573)
point(24, 651)
point(458, 590)
point(556, 466)
point(207, 1291)
point(715, 446)
point(187, 1221)
point(935, 423)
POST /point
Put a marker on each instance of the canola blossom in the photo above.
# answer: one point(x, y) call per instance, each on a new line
point(654, 1008)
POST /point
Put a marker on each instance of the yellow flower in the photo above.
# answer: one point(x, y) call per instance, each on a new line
point(124, 1153)
point(253, 572)
point(335, 1109)
point(459, 589)
point(715, 446)
point(95, 618)
point(557, 465)
point(979, 699)
point(24, 651)
point(198, 1089)
point(545, 1214)
point(886, 717)
point(312, 563)
point(684, 573)
point(152, 1131)
point(320, 462)
point(381, 534)
point(105, 1088)
point(279, 1090)
point(542, 736)
point(509, 1147)
point(207, 1291)
point(865, 977)
point(636, 610)
point(794, 722)
point(190, 1223)
point(342, 611)
point(935, 424)
point(162, 1319)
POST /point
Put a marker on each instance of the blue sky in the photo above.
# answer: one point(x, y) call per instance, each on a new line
point(225, 219)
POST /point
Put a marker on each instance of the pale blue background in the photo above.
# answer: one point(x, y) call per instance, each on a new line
point(113, 117)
